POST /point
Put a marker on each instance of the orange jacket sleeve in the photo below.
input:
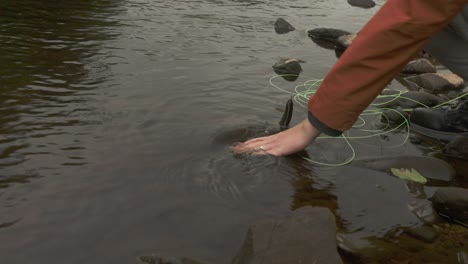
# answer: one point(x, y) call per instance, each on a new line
point(382, 48)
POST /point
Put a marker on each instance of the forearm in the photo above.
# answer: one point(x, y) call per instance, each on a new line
point(381, 49)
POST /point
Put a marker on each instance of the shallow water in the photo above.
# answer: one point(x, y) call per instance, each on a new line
point(116, 118)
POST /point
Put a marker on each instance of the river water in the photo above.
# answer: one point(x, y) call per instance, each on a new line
point(116, 118)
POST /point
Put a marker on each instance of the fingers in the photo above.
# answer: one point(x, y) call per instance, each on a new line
point(256, 146)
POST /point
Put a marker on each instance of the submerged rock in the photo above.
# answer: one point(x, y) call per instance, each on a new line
point(308, 236)
point(164, 260)
point(419, 66)
point(429, 167)
point(282, 26)
point(422, 233)
point(436, 82)
point(452, 203)
point(289, 69)
point(362, 3)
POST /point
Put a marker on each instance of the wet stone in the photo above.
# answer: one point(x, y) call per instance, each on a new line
point(452, 203)
point(153, 259)
point(327, 33)
point(423, 210)
point(413, 99)
point(461, 257)
point(343, 42)
point(396, 116)
point(457, 147)
point(282, 26)
point(307, 236)
point(422, 233)
point(362, 3)
point(419, 66)
point(436, 82)
point(289, 69)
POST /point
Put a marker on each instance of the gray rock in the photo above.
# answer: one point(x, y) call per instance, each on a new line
point(413, 99)
point(289, 68)
point(460, 257)
point(452, 203)
point(422, 233)
point(423, 210)
point(429, 167)
point(457, 147)
point(308, 236)
point(419, 66)
point(153, 259)
point(362, 3)
point(395, 116)
point(436, 82)
point(343, 42)
point(282, 26)
point(326, 37)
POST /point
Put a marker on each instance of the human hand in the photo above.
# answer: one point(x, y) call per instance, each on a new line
point(284, 143)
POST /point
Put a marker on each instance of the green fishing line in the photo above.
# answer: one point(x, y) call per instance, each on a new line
point(302, 92)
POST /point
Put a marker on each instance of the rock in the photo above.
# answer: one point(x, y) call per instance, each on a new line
point(345, 41)
point(422, 233)
point(395, 116)
point(164, 260)
point(308, 236)
point(289, 69)
point(362, 3)
point(419, 66)
point(413, 99)
point(436, 82)
point(460, 257)
point(282, 26)
point(326, 37)
point(457, 147)
point(431, 168)
point(452, 203)
point(423, 210)
point(342, 43)
point(387, 99)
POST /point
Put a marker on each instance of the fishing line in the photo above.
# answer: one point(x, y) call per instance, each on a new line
point(302, 92)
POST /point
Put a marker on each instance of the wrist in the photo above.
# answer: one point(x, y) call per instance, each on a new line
point(309, 130)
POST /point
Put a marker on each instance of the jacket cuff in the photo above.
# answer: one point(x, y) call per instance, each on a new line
point(322, 127)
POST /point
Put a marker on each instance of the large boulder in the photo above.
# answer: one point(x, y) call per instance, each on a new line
point(436, 82)
point(307, 236)
point(452, 203)
point(282, 26)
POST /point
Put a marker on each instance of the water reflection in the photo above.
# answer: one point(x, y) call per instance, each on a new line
point(50, 55)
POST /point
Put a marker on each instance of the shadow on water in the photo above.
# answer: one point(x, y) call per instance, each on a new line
point(51, 69)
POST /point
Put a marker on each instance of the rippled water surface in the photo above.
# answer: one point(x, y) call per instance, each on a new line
point(116, 117)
